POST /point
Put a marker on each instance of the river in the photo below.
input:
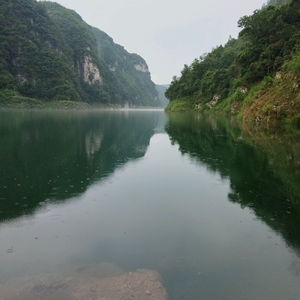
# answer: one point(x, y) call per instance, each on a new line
point(213, 209)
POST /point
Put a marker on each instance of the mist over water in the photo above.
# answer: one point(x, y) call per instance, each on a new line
point(185, 195)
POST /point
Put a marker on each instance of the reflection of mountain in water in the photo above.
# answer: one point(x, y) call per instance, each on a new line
point(54, 156)
point(253, 173)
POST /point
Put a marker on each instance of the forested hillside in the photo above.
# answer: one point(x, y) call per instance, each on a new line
point(129, 77)
point(48, 52)
point(265, 59)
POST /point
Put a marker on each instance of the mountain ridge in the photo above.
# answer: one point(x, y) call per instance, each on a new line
point(50, 53)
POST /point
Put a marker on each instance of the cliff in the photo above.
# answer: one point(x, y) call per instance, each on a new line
point(48, 52)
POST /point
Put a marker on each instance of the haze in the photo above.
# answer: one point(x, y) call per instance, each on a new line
point(167, 34)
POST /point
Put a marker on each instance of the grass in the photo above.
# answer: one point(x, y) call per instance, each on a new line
point(65, 104)
point(10, 99)
point(183, 104)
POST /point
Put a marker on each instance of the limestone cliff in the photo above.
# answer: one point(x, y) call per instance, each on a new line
point(48, 52)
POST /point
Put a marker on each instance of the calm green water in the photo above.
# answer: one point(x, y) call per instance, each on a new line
point(214, 210)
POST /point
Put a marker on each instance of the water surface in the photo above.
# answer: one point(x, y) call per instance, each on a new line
point(191, 197)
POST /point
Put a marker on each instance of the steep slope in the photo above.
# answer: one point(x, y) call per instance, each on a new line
point(264, 60)
point(35, 59)
point(129, 78)
point(81, 40)
point(50, 53)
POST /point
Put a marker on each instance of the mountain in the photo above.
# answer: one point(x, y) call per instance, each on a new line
point(255, 76)
point(161, 89)
point(129, 77)
point(50, 53)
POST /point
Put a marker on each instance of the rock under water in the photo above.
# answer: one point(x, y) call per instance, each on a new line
point(94, 282)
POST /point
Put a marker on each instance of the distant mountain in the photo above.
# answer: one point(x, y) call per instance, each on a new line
point(161, 89)
point(48, 52)
point(129, 77)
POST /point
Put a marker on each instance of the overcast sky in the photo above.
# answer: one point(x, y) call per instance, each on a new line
point(166, 33)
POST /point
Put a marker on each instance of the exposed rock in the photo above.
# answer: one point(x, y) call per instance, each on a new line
point(236, 106)
point(141, 67)
point(243, 90)
point(295, 85)
point(216, 97)
point(22, 79)
point(113, 67)
point(198, 106)
point(257, 120)
point(88, 71)
point(278, 75)
point(213, 102)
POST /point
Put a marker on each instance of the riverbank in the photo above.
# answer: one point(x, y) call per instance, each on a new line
point(274, 100)
point(10, 100)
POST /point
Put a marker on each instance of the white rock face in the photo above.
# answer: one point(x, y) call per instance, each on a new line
point(243, 90)
point(295, 85)
point(216, 97)
point(21, 79)
point(213, 102)
point(48, 44)
point(91, 73)
point(141, 67)
point(113, 67)
point(278, 75)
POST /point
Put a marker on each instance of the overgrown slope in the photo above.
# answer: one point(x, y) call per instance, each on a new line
point(231, 77)
point(35, 59)
point(128, 77)
point(48, 52)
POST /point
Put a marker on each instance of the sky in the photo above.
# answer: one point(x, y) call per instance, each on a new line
point(166, 33)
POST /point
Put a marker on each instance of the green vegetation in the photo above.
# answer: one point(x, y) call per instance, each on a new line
point(264, 60)
point(124, 82)
point(49, 53)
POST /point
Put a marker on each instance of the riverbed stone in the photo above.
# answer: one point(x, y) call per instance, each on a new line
point(103, 282)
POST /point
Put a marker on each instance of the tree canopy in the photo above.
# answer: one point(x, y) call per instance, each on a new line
point(48, 52)
point(268, 38)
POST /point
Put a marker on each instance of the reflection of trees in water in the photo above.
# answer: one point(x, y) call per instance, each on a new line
point(57, 155)
point(254, 182)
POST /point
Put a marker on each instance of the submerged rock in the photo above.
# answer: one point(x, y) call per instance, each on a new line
point(100, 282)
point(135, 285)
